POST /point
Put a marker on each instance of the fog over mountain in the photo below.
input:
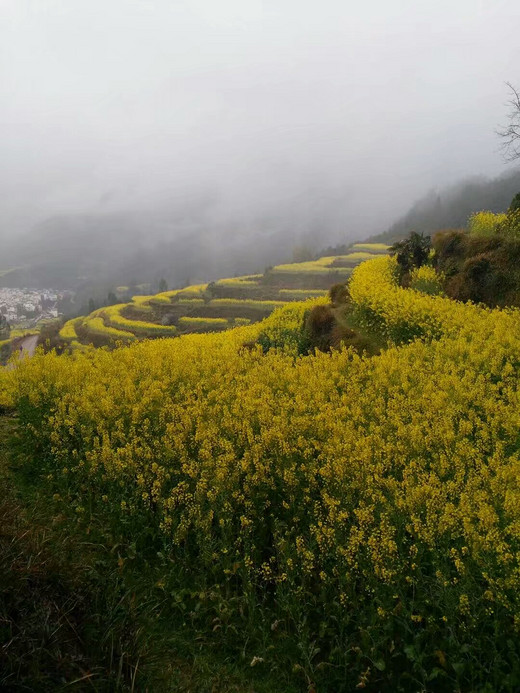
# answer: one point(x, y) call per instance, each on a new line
point(237, 129)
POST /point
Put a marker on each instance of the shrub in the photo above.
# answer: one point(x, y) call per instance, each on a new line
point(338, 293)
point(515, 203)
point(449, 248)
point(168, 319)
point(50, 336)
point(479, 268)
point(210, 289)
point(411, 252)
point(319, 325)
point(4, 328)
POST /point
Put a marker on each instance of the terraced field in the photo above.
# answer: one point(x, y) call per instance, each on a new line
point(216, 306)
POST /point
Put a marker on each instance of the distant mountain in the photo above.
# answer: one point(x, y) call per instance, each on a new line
point(181, 242)
point(451, 207)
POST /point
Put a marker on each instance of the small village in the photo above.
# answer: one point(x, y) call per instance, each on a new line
point(26, 307)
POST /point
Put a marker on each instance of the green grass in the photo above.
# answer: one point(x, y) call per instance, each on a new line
point(57, 625)
point(361, 339)
point(79, 615)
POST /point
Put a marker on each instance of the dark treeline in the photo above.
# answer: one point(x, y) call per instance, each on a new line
point(451, 207)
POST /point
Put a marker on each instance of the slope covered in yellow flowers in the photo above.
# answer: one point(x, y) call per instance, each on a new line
point(217, 306)
point(368, 509)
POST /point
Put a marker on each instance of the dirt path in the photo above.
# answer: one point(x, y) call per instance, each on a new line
point(25, 348)
point(27, 345)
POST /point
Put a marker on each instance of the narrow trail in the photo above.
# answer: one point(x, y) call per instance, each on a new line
point(28, 345)
point(25, 348)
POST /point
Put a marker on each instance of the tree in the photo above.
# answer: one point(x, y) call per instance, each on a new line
point(5, 328)
point(338, 293)
point(412, 251)
point(510, 133)
point(302, 253)
point(515, 203)
point(163, 285)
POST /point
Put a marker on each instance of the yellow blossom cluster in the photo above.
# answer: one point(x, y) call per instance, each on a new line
point(322, 266)
point(198, 322)
point(68, 331)
point(485, 223)
point(250, 280)
point(246, 303)
point(113, 318)
point(96, 326)
point(427, 280)
point(401, 315)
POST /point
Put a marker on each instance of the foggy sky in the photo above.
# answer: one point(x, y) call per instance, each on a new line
point(111, 105)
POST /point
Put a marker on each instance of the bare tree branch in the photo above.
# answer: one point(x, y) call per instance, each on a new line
point(510, 133)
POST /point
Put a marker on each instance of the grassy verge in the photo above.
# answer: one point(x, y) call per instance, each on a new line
point(76, 614)
point(356, 334)
point(58, 627)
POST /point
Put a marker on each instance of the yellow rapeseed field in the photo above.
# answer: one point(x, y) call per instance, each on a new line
point(113, 318)
point(385, 489)
point(68, 331)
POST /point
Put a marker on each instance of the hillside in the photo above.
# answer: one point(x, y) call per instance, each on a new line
point(215, 306)
point(332, 521)
point(450, 208)
point(184, 237)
